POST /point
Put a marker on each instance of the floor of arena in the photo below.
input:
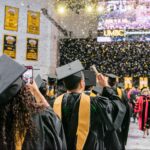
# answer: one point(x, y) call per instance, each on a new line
point(136, 140)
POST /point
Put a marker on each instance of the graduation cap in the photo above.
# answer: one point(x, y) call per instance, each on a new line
point(120, 85)
point(52, 78)
point(10, 78)
point(73, 68)
point(39, 81)
point(110, 75)
point(136, 84)
point(90, 78)
point(111, 79)
point(97, 90)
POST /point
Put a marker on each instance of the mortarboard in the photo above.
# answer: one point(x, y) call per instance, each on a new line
point(112, 79)
point(39, 81)
point(90, 78)
point(52, 78)
point(73, 68)
point(97, 90)
point(120, 85)
point(136, 84)
point(112, 76)
point(10, 78)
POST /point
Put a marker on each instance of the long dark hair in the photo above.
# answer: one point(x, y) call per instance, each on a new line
point(16, 117)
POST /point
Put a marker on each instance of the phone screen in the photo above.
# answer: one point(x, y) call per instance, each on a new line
point(28, 75)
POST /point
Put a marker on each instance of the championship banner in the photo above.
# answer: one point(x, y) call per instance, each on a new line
point(32, 49)
point(11, 18)
point(143, 82)
point(9, 47)
point(128, 82)
point(33, 25)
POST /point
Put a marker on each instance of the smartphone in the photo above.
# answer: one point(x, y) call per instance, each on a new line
point(28, 75)
point(94, 69)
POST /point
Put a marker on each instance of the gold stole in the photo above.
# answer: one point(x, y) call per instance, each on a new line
point(92, 94)
point(119, 91)
point(51, 92)
point(19, 141)
point(83, 119)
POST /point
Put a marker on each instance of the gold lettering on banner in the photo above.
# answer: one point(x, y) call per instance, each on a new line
point(113, 32)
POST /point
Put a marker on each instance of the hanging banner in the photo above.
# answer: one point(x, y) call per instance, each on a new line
point(32, 49)
point(143, 82)
point(9, 47)
point(11, 18)
point(33, 25)
point(128, 82)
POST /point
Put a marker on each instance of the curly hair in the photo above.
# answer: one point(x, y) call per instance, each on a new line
point(16, 117)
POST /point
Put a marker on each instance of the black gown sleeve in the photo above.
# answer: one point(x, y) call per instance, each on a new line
point(119, 108)
point(110, 93)
point(108, 113)
point(48, 135)
point(119, 111)
point(123, 117)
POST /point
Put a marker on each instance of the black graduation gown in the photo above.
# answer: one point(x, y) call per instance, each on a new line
point(49, 133)
point(123, 131)
point(101, 122)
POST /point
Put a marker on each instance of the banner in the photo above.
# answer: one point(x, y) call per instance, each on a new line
point(128, 82)
point(33, 25)
point(11, 18)
point(9, 47)
point(32, 49)
point(143, 82)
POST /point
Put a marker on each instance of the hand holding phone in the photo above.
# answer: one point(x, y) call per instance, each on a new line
point(102, 80)
point(28, 75)
point(93, 67)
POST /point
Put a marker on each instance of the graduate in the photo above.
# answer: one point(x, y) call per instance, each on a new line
point(90, 123)
point(142, 107)
point(118, 90)
point(27, 122)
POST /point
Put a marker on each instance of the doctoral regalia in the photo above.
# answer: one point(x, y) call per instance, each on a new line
point(105, 118)
point(143, 108)
point(48, 135)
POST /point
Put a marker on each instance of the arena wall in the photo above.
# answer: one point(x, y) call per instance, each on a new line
point(47, 39)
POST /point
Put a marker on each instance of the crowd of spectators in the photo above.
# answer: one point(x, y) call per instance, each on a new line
point(120, 58)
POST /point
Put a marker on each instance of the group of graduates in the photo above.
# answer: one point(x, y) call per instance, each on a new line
point(123, 58)
point(140, 101)
point(90, 113)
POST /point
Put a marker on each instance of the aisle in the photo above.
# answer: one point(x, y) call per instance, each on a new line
point(135, 140)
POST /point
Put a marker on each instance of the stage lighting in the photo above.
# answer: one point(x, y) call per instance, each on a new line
point(129, 7)
point(61, 9)
point(100, 9)
point(89, 8)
